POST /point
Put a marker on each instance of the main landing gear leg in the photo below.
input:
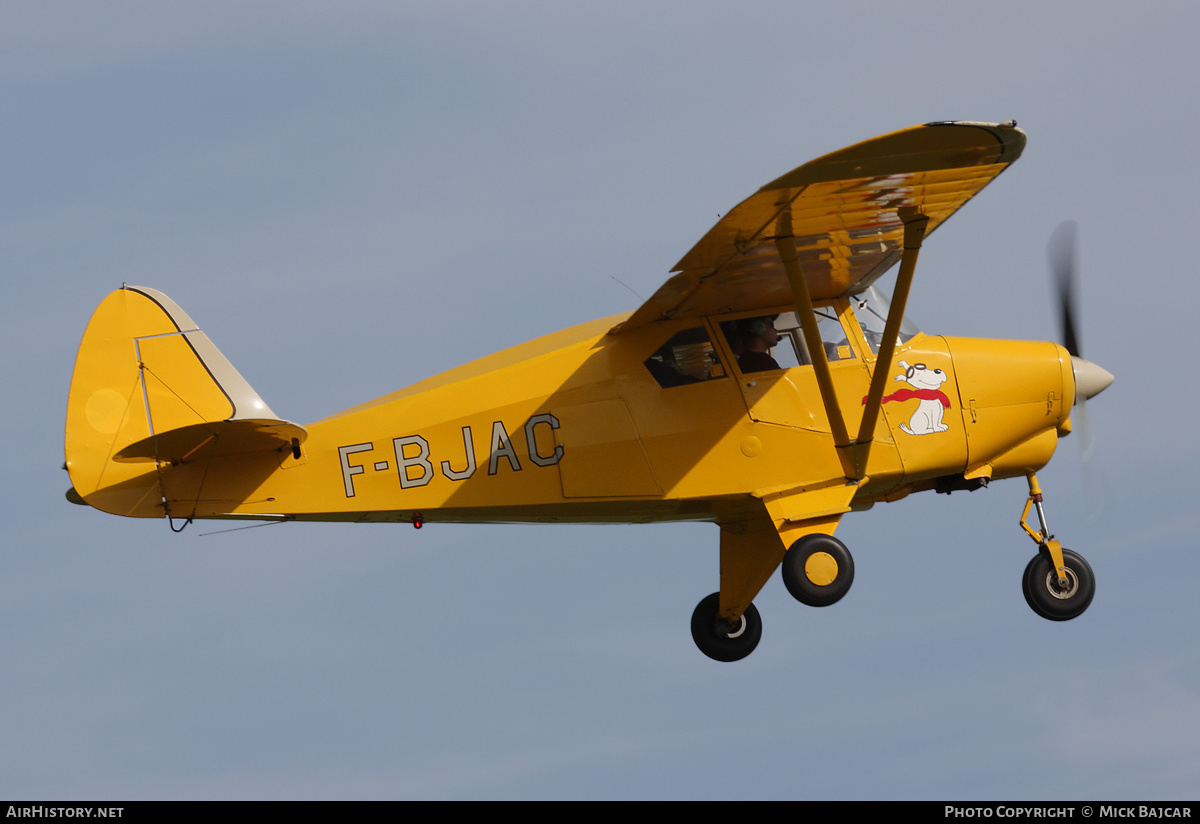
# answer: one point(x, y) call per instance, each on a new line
point(1058, 583)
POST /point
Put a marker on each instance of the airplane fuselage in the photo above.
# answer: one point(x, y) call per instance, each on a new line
point(574, 427)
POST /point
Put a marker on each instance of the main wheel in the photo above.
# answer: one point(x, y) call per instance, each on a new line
point(715, 640)
point(1047, 598)
point(818, 570)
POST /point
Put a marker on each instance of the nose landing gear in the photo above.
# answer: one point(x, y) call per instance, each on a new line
point(1058, 583)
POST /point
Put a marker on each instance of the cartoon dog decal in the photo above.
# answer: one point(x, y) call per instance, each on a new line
point(931, 400)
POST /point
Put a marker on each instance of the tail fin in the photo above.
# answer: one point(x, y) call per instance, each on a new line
point(151, 391)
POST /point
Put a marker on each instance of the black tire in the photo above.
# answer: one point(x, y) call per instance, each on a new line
point(715, 641)
point(812, 583)
point(1046, 598)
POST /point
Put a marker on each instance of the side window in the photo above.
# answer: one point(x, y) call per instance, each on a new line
point(790, 351)
point(833, 336)
point(777, 341)
point(688, 357)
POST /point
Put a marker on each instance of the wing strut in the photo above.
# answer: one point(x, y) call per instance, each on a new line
point(785, 243)
point(915, 223)
point(852, 454)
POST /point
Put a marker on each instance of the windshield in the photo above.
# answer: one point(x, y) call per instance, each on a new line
point(871, 310)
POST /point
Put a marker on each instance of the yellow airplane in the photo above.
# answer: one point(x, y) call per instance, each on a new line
point(768, 387)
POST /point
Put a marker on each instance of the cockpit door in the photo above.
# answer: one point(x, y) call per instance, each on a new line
point(789, 395)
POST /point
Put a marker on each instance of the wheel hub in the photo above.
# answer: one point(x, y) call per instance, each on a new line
point(1060, 592)
point(821, 568)
point(723, 628)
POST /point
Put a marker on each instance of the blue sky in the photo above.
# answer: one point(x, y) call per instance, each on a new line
point(351, 199)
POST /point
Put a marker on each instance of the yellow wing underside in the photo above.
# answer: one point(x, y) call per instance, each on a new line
point(843, 209)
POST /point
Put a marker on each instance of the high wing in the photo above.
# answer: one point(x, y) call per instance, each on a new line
point(843, 210)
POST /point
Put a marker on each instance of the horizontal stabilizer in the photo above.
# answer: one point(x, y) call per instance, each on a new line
point(228, 438)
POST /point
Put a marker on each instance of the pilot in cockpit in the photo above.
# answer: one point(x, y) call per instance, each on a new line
point(758, 336)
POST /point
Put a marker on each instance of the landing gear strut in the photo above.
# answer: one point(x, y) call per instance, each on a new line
point(1058, 583)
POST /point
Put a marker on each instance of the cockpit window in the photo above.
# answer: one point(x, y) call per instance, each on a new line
point(784, 340)
point(688, 357)
point(871, 309)
point(833, 336)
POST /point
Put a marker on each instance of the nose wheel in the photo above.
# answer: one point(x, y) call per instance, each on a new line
point(1052, 600)
point(1058, 583)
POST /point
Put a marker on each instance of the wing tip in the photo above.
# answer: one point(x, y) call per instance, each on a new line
point(1011, 137)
